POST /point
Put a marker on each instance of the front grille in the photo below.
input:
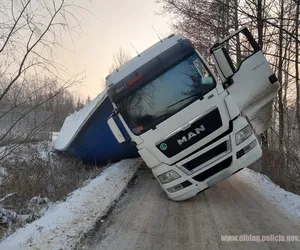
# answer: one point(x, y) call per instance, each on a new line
point(221, 148)
point(198, 130)
point(213, 170)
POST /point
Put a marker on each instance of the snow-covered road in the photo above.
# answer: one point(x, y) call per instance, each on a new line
point(146, 219)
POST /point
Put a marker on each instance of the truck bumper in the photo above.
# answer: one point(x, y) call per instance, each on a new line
point(236, 165)
point(237, 158)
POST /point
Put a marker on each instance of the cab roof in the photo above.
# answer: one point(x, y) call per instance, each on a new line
point(143, 58)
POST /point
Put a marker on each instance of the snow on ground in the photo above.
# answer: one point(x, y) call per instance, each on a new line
point(2, 150)
point(63, 224)
point(288, 202)
point(2, 170)
point(2, 174)
point(54, 136)
point(26, 150)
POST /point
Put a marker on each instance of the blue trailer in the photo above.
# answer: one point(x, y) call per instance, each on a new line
point(86, 135)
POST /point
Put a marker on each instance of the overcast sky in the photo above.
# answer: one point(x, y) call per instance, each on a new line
point(115, 24)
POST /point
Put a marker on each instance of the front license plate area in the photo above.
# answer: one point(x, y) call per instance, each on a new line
point(218, 178)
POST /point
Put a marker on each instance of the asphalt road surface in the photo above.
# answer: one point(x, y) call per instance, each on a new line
point(145, 219)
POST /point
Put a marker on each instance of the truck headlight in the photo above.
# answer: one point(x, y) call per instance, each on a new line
point(168, 176)
point(243, 135)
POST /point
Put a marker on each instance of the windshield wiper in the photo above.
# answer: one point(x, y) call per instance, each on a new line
point(197, 94)
point(159, 118)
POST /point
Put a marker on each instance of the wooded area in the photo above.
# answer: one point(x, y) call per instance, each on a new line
point(32, 83)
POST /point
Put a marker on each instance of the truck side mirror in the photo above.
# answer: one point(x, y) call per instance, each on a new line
point(224, 64)
point(115, 129)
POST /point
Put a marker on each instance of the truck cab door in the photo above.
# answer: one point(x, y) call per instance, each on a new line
point(247, 76)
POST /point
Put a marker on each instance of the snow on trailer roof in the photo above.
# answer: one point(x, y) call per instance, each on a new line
point(74, 122)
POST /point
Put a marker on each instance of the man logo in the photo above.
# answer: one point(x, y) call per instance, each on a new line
point(163, 146)
point(190, 135)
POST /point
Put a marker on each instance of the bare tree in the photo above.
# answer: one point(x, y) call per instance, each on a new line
point(119, 58)
point(30, 33)
point(203, 21)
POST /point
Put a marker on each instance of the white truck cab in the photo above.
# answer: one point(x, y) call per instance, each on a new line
point(192, 128)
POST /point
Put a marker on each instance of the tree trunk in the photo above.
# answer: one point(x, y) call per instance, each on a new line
point(260, 23)
point(280, 78)
point(260, 27)
point(236, 26)
point(297, 68)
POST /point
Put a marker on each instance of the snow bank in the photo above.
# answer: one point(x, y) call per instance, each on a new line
point(2, 174)
point(74, 122)
point(54, 136)
point(288, 202)
point(63, 225)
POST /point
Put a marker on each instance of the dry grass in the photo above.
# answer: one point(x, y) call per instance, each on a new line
point(38, 177)
point(36, 171)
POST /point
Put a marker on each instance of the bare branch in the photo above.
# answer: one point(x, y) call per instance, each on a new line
point(14, 26)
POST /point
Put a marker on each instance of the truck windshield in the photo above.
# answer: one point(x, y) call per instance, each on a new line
point(166, 95)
